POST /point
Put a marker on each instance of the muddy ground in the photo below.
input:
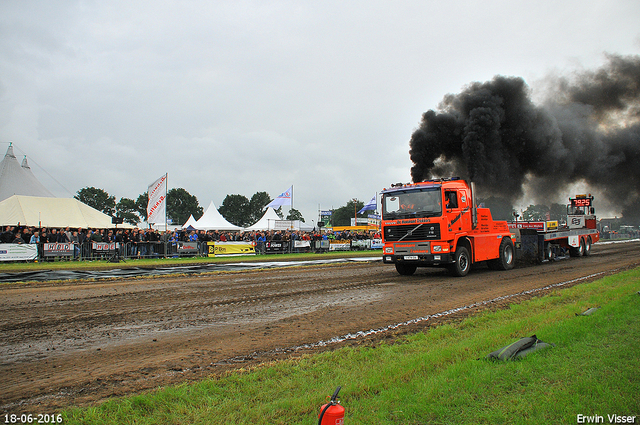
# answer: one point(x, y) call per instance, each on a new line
point(80, 343)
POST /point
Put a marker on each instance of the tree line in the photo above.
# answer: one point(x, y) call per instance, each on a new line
point(236, 209)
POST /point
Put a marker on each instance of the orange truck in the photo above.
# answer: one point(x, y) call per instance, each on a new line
point(436, 223)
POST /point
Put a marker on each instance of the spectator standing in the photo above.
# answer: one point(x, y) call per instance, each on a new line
point(35, 238)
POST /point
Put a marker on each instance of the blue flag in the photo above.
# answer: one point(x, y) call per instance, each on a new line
point(371, 205)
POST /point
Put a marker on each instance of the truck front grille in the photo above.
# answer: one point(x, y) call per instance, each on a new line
point(411, 232)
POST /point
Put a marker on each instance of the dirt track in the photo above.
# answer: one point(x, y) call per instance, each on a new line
point(79, 343)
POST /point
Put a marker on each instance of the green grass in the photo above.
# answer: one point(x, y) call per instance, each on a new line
point(164, 262)
point(437, 377)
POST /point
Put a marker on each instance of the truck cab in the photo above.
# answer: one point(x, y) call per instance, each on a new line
point(436, 223)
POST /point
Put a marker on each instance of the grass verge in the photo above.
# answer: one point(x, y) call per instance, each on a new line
point(436, 377)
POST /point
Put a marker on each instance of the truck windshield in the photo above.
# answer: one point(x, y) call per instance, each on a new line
point(412, 203)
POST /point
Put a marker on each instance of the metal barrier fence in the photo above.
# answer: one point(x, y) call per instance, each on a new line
point(132, 250)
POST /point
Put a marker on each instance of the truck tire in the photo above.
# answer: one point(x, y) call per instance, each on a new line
point(506, 260)
point(462, 264)
point(577, 252)
point(587, 247)
point(548, 252)
point(406, 269)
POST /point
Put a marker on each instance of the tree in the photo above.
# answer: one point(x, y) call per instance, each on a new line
point(127, 209)
point(294, 214)
point(343, 215)
point(180, 205)
point(98, 199)
point(141, 205)
point(257, 206)
point(236, 210)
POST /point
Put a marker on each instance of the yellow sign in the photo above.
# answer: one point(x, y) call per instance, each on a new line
point(230, 248)
point(552, 225)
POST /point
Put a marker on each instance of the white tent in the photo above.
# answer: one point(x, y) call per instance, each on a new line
point(19, 180)
point(52, 212)
point(190, 224)
point(213, 220)
point(267, 222)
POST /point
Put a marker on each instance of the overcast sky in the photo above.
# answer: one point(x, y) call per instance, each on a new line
point(244, 96)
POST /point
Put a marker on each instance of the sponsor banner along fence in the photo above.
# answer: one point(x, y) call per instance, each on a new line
point(18, 252)
point(58, 249)
point(230, 248)
point(100, 250)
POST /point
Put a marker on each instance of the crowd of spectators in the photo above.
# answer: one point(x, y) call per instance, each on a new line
point(144, 242)
point(22, 234)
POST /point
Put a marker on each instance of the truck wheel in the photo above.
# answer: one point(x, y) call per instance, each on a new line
point(548, 252)
point(587, 247)
point(462, 263)
point(507, 258)
point(406, 269)
point(577, 252)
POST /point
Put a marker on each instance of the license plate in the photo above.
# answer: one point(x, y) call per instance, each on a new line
point(410, 257)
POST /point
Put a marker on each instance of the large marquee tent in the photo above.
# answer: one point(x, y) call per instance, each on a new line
point(40, 211)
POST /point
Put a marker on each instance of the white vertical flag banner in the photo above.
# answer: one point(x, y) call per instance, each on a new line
point(283, 199)
point(156, 208)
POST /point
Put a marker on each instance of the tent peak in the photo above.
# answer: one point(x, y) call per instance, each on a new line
point(10, 153)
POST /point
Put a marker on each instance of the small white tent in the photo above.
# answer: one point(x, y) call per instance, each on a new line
point(190, 224)
point(267, 222)
point(213, 220)
point(39, 211)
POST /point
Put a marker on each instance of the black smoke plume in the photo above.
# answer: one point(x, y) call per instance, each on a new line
point(588, 129)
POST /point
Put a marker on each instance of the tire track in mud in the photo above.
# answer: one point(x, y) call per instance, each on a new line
point(86, 323)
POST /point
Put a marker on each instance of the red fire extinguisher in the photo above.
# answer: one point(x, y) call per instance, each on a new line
point(332, 413)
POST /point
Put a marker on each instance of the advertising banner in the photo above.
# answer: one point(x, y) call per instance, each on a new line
point(18, 252)
point(58, 249)
point(187, 247)
point(361, 244)
point(325, 217)
point(104, 246)
point(156, 206)
point(276, 247)
point(302, 244)
point(340, 245)
point(376, 244)
point(283, 225)
point(233, 248)
point(538, 225)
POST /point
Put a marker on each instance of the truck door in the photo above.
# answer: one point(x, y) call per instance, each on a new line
point(458, 209)
point(465, 209)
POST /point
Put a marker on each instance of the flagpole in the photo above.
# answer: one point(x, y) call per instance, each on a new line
point(165, 200)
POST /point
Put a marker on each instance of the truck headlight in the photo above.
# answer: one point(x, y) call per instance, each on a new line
point(388, 250)
point(437, 248)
